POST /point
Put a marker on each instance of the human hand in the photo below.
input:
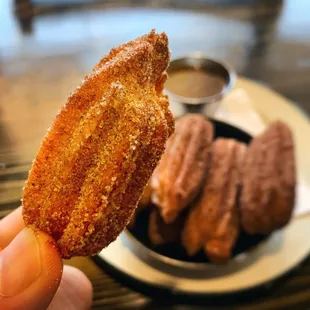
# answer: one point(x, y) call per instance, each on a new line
point(32, 275)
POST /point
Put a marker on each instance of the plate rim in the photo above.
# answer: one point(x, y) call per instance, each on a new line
point(153, 290)
point(178, 291)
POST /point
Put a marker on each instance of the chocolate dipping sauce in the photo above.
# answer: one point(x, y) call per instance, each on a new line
point(194, 83)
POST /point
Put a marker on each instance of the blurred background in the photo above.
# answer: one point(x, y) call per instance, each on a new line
point(47, 46)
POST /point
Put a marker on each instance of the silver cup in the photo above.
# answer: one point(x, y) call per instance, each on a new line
point(181, 105)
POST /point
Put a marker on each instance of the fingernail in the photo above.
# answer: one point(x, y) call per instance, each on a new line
point(20, 264)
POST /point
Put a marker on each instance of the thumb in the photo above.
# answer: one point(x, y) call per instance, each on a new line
point(30, 271)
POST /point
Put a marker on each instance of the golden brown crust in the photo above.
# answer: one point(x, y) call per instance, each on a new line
point(144, 202)
point(269, 178)
point(219, 221)
point(101, 150)
point(192, 235)
point(178, 178)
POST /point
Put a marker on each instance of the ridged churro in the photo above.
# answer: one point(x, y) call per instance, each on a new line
point(268, 181)
point(101, 150)
point(219, 217)
point(179, 175)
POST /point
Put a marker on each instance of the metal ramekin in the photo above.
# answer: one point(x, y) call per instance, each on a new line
point(206, 105)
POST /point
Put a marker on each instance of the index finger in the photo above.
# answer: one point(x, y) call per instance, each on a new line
point(10, 226)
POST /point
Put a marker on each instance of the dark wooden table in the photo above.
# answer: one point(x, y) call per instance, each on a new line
point(44, 55)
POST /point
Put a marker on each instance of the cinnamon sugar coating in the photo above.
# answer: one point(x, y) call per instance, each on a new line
point(101, 150)
point(219, 218)
point(178, 178)
point(268, 182)
point(144, 202)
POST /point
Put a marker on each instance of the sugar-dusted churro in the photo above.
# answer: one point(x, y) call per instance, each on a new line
point(101, 150)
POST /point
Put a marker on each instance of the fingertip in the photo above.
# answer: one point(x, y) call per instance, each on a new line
point(52, 266)
point(32, 271)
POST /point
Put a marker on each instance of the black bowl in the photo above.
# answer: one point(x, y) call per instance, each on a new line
point(174, 250)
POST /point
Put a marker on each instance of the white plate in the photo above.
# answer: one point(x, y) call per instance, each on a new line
point(275, 257)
